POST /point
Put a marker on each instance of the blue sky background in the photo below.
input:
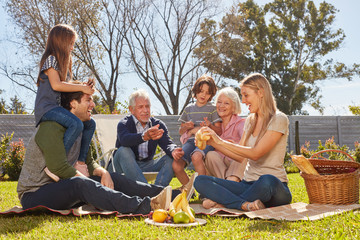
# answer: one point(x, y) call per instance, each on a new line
point(337, 93)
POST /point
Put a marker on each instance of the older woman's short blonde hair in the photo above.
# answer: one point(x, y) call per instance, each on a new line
point(233, 95)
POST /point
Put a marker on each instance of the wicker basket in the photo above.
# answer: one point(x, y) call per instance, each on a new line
point(338, 182)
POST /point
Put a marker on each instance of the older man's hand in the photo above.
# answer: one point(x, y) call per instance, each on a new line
point(153, 133)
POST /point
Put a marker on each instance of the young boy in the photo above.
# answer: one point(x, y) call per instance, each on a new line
point(196, 115)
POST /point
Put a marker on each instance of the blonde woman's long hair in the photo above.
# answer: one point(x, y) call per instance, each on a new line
point(258, 82)
point(58, 44)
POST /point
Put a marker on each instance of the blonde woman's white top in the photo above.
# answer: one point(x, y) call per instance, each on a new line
point(272, 162)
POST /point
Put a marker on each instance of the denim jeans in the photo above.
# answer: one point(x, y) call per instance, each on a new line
point(125, 162)
point(127, 197)
point(189, 148)
point(269, 189)
point(74, 126)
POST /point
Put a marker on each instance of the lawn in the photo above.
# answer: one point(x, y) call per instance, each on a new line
point(45, 226)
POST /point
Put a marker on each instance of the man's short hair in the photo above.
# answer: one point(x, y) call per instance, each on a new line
point(141, 93)
point(67, 97)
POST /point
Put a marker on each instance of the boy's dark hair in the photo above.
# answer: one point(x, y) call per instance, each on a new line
point(67, 97)
point(204, 79)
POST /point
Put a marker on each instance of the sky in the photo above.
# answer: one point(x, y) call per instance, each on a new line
point(337, 94)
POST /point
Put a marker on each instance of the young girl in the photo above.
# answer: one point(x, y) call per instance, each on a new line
point(196, 115)
point(263, 144)
point(55, 72)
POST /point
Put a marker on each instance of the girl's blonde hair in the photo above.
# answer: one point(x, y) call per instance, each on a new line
point(230, 93)
point(58, 44)
point(258, 82)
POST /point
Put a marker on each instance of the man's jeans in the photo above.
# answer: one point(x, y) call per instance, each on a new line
point(269, 189)
point(128, 197)
point(74, 127)
point(125, 162)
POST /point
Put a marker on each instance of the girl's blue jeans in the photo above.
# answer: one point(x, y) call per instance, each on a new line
point(268, 189)
point(74, 126)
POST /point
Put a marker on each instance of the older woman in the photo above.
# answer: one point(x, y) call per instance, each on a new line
point(218, 164)
point(263, 144)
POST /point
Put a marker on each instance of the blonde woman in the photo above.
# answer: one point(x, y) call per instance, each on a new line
point(263, 145)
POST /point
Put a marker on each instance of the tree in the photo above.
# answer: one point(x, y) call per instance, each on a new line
point(284, 40)
point(102, 108)
point(355, 110)
point(161, 41)
point(98, 50)
point(16, 106)
point(3, 107)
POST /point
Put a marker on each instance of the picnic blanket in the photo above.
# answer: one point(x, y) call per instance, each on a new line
point(291, 212)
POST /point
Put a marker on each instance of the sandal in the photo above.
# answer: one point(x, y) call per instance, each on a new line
point(253, 206)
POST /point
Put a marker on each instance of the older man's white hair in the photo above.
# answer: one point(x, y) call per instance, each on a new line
point(141, 93)
point(233, 95)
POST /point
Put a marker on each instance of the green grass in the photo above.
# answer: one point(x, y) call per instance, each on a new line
point(50, 226)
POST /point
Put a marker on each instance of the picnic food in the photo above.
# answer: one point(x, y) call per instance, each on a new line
point(159, 215)
point(181, 217)
point(179, 211)
point(201, 140)
point(303, 164)
point(179, 204)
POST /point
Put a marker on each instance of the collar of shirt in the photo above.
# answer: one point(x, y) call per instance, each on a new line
point(139, 126)
point(143, 147)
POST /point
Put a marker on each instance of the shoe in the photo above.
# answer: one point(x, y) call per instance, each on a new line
point(51, 175)
point(189, 187)
point(162, 200)
point(82, 167)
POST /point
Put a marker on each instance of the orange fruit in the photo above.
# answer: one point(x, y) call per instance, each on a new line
point(159, 215)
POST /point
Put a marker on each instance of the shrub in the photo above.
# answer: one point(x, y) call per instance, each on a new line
point(12, 157)
point(4, 146)
point(329, 144)
point(289, 166)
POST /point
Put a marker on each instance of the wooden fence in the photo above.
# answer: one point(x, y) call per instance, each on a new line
point(345, 129)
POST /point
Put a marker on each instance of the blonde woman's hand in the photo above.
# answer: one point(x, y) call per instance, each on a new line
point(206, 131)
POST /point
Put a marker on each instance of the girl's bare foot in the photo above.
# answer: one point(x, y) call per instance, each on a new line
point(207, 203)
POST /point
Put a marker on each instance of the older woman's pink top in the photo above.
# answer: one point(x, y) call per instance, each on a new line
point(233, 130)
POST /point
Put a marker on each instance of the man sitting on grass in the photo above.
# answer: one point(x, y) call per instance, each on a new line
point(112, 192)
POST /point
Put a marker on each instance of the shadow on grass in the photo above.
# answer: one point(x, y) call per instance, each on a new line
point(273, 226)
point(26, 222)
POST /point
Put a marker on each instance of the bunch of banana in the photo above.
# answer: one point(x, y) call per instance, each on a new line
point(303, 164)
point(180, 203)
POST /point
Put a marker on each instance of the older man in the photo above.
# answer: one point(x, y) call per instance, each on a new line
point(103, 190)
point(138, 136)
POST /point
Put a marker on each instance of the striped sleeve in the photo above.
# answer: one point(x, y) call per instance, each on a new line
point(50, 62)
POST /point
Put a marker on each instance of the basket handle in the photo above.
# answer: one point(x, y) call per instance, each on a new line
point(331, 150)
